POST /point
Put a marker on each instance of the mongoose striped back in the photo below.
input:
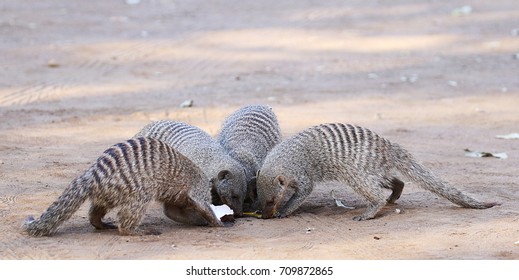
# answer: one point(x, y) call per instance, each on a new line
point(227, 174)
point(248, 135)
point(350, 154)
point(129, 175)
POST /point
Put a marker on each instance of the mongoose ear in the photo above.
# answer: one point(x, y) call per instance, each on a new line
point(223, 174)
point(215, 197)
point(281, 181)
point(212, 183)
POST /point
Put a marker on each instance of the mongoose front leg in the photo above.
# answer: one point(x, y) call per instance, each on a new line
point(292, 204)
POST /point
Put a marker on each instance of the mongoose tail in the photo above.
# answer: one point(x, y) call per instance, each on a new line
point(414, 171)
point(62, 209)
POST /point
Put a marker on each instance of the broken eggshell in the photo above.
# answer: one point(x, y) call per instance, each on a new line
point(223, 212)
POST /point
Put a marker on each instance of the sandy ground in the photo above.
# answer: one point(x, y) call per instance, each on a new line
point(79, 76)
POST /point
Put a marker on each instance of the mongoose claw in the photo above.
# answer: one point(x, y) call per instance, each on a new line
point(109, 225)
point(279, 215)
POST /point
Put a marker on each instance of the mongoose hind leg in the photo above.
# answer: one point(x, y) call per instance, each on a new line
point(369, 188)
point(397, 186)
point(96, 215)
point(130, 216)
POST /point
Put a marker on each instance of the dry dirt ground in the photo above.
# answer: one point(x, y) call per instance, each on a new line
point(79, 76)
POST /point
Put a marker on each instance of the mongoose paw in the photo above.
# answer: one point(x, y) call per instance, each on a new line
point(152, 232)
point(138, 232)
point(228, 224)
point(279, 215)
point(361, 218)
point(108, 225)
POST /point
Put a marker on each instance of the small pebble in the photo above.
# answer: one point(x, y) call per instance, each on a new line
point(187, 103)
point(462, 11)
point(53, 64)
point(372, 76)
point(409, 79)
point(398, 211)
point(452, 83)
point(119, 19)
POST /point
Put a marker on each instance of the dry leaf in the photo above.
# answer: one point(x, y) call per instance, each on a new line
point(508, 136)
point(462, 11)
point(252, 214)
point(186, 104)
point(469, 153)
point(338, 202)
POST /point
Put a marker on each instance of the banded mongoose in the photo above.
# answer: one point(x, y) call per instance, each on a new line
point(226, 173)
point(129, 176)
point(248, 135)
point(350, 154)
